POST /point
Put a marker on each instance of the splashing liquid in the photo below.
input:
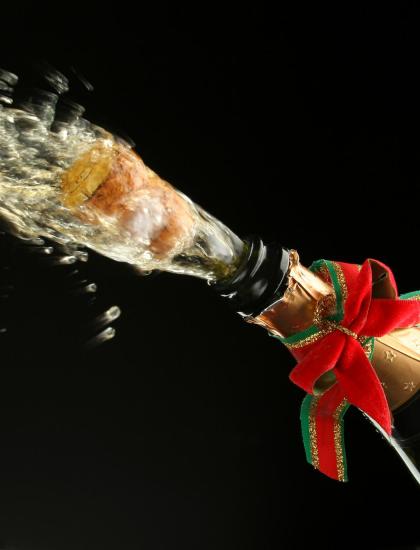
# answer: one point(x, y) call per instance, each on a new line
point(66, 179)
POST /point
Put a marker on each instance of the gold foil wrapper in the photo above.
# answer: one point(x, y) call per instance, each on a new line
point(396, 357)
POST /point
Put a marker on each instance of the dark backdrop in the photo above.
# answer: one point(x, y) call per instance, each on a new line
point(183, 431)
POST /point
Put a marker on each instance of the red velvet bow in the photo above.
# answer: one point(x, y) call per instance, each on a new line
point(342, 352)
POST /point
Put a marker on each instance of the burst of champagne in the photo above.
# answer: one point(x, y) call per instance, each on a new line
point(46, 145)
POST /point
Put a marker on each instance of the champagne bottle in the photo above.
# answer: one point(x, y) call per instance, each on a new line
point(90, 188)
point(155, 225)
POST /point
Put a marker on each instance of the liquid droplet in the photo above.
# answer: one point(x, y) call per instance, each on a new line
point(107, 316)
point(5, 99)
point(57, 80)
point(34, 248)
point(9, 78)
point(37, 241)
point(67, 260)
point(112, 313)
point(91, 287)
point(81, 255)
point(102, 337)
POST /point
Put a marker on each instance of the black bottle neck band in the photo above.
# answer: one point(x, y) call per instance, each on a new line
point(259, 280)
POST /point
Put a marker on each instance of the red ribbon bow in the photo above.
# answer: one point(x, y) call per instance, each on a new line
point(341, 350)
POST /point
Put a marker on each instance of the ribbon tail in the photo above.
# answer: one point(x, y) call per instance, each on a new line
point(361, 385)
point(322, 426)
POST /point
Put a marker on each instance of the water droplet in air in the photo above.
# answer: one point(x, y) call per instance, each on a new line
point(57, 80)
point(108, 333)
point(81, 255)
point(112, 313)
point(92, 287)
point(66, 260)
point(8, 77)
point(104, 336)
point(107, 316)
point(36, 241)
point(5, 99)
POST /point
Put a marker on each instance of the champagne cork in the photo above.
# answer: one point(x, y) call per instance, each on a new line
point(111, 181)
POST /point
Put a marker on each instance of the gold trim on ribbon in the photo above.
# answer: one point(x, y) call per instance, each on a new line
point(310, 339)
point(312, 432)
point(339, 452)
point(325, 306)
point(341, 280)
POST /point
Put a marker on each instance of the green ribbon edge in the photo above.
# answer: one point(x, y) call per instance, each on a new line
point(339, 315)
point(295, 338)
point(305, 411)
point(410, 295)
point(342, 442)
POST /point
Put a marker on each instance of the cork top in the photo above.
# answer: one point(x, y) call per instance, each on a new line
point(84, 177)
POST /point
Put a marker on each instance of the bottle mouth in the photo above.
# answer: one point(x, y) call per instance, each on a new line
point(259, 280)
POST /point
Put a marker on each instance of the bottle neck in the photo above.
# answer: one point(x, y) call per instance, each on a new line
point(259, 280)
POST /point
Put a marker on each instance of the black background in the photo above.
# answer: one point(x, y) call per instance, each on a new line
point(183, 432)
